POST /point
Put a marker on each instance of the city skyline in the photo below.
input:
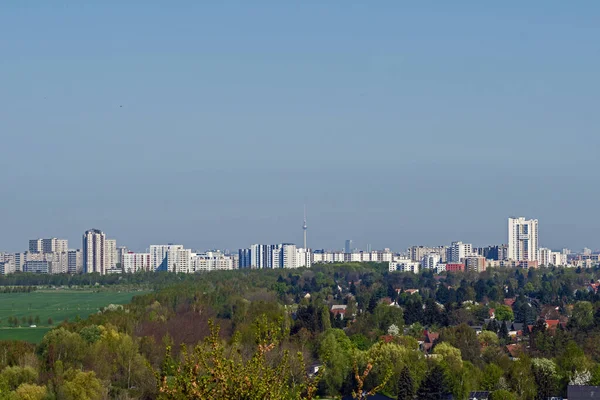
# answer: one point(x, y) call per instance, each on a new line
point(347, 245)
point(396, 124)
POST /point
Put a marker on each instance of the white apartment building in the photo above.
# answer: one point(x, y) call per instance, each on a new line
point(94, 252)
point(158, 255)
point(358, 256)
point(52, 245)
point(289, 257)
point(405, 265)
point(211, 261)
point(75, 261)
point(112, 258)
point(7, 267)
point(458, 251)
point(178, 260)
point(37, 267)
point(303, 258)
point(430, 261)
point(523, 239)
point(548, 257)
point(416, 253)
point(135, 262)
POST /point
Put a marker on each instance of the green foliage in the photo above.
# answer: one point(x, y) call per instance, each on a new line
point(406, 385)
point(335, 349)
point(79, 385)
point(491, 377)
point(434, 386)
point(30, 392)
point(385, 316)
point(502, 394)
point(504, 313)
point(13, 377)
point(213, 372)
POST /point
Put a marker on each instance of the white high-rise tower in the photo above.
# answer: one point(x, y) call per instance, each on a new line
point(523, 239)
point(304, 227)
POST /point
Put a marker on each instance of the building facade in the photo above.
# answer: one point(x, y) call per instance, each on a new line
point(523, 239)
point(136, 262)
point(94, 252)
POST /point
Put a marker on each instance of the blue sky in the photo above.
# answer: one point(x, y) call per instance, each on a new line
point(212, 123)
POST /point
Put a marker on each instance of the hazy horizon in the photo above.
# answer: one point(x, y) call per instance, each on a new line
point(211, 125)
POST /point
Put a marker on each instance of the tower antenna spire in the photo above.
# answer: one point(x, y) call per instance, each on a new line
point(304, 227)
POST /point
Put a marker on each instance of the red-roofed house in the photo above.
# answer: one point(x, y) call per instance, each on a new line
point(514, 351)
point(339, 310)
point(428, 340)
point(509, 302)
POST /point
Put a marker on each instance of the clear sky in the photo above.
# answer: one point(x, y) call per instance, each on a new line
point(211, 123)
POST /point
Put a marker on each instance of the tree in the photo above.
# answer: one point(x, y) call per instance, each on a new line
point(583, 315)
point(546, 377)
point(335, 350)
point(502, 394)
point(488, 338)
point(504, 313)
point(211, 372)
point(450, 356)
point(491, 377)
point(30, 392)
point(406, 386)
point(81, 385)
point(434, 386)
point(37, 319)
point(503, 333)
point(50, 321)
point(30, 320)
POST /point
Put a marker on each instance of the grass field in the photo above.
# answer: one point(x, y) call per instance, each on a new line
point(55, 304)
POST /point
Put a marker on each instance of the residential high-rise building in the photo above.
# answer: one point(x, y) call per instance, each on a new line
point(75, 263)
point(348, 246)
point(135, 262)
point(35, 246)
point(475, 263)
point(430, 261)
point(158, 255)
point(94, 252)
point(416, 253)
point(211, 261)
point(288, 256)
point(112, 258)
point(458, 251)
point(178, 260)
point(122, 250)
point(522, 239)
point(52, 245)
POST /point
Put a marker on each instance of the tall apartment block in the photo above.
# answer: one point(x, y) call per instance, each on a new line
point(94, 252)
point(523, 239)
point(52, 245)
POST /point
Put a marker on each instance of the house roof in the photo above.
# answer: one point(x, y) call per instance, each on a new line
point(509, 302)
point(338, 307)
point(583, 392)
point(479, 395)
point(514, 350)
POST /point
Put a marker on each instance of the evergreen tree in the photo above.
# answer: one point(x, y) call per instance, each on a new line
point(503, 333)
point(406, 386)
point(434, 386)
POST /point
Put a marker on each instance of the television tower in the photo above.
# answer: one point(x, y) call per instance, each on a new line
point(304, 227)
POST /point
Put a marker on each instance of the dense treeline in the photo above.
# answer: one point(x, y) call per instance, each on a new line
point(265, 334)
point(17, 289)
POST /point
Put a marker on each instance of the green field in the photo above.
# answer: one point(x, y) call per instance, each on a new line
point(55, 304)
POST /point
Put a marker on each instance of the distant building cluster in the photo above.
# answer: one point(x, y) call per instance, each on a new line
point(99, 254)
